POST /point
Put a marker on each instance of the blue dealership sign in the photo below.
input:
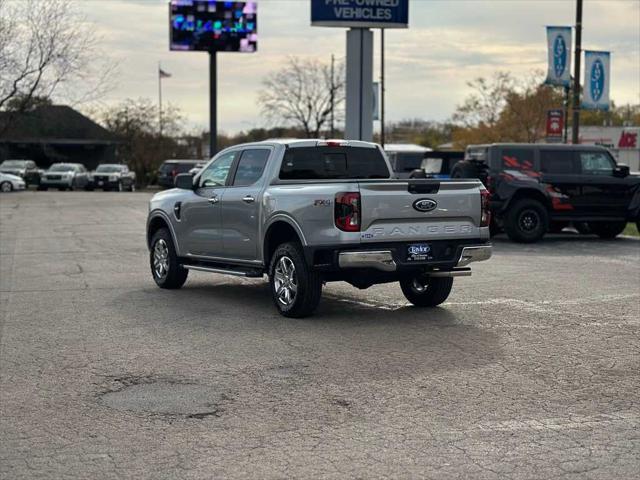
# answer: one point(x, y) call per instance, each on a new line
point(360, 13)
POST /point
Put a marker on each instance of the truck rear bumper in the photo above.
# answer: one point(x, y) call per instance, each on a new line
point(383, 259)
point(378, 259)
point(474, 254)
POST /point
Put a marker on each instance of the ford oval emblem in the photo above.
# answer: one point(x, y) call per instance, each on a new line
point(597, 80)
point(425, 204)
point(559, 56)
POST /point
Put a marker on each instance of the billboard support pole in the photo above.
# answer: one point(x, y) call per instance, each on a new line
point(575, 130)
point(213, 104)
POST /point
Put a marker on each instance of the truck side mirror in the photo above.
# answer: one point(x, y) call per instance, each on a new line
point(184, 181)
point(621, 171)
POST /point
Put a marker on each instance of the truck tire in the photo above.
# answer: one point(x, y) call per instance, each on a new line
point(425, 291)
point(463, 169)
point(295, 286)
point(607, 230)
point(163, 260)
point(526, 221)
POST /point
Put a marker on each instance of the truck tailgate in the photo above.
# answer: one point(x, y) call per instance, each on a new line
point(389, 212)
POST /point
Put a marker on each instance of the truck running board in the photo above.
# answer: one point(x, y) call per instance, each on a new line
point(225, 271)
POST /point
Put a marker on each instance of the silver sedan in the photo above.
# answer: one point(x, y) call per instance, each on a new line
point(10, 183)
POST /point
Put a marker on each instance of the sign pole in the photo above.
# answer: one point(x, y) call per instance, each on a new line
point(359, 98)
point(159, 100)
point(575, 131)
point(213, 104)
point(567, 89)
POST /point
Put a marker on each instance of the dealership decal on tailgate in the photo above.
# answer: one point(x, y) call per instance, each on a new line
point(419, 252)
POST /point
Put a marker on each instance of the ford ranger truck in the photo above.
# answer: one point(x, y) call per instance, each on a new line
point(307, 212)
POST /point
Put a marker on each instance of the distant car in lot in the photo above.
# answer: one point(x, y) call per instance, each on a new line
point(9, 183)
point(194, 171)
point(540, 188)
point(170, 168)
point(110, 176)
point(25, 169)
point(65, 176)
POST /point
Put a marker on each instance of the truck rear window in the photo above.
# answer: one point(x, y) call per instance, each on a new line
point(328, 163)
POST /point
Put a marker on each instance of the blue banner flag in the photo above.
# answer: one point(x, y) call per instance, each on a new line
point(559, 54)
point(596, 80)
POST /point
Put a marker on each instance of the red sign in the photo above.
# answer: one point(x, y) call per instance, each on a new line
point(628, 140)
point(555, 124)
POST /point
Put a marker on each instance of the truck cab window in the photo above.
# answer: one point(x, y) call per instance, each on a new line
point(596, 163)
point(215, 175)
point(556, 161)
point(250, 167)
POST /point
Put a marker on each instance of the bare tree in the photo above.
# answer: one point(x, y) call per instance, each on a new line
point(300, 94)
point(47, 48)
point(484, 105)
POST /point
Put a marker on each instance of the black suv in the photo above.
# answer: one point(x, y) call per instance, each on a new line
point(170, 168)
point(540, 188)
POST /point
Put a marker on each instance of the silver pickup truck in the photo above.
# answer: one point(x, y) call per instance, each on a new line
point(306, 212)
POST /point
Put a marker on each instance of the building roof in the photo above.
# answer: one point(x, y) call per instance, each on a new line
point(52, 123)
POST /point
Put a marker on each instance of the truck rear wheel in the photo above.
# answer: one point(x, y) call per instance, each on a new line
point(607, 230)
point(163, 259)
point(424, 291)
point(526, 221)
point(295, 287)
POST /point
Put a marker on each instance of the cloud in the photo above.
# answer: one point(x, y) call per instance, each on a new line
point(448, 43)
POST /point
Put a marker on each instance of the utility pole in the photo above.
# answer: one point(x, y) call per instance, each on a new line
point(575, 137)
point(333, 94)
point(382, 87)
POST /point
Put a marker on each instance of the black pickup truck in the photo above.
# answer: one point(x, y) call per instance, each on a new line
point(540, 188)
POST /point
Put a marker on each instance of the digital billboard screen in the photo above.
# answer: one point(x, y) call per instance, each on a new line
point(213, 26)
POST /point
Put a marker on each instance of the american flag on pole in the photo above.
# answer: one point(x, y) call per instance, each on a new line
point(163, 74)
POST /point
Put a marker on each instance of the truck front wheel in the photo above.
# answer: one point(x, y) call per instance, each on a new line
point(425, 291)
point(526, 221)
point(295, 286)
point(165, 265)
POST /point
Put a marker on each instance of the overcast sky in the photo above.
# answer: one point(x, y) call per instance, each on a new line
point(448, 43)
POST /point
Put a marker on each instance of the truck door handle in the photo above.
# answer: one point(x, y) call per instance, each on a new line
point(213, 199)
point(248, 199)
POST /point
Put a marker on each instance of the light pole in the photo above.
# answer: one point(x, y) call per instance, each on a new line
point(575, 131)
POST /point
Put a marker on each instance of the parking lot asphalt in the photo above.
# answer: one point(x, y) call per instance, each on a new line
point(530, 370)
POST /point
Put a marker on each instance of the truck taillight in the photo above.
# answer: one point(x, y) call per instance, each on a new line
point(347, 211)
point(485, 216)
